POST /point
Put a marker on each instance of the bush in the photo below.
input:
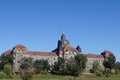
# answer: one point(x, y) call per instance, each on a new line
point(116, 71)
point(108, 72)
point(8, 70)
point(91, 71)
point(98, 73)
point(2, 75)
point(26, 74)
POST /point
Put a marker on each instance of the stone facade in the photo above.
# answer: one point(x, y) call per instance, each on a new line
point(19, 53)
point(64, 49)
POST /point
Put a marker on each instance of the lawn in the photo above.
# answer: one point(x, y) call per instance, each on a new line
point(82, 77)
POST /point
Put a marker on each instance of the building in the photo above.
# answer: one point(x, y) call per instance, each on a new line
point(64, 49)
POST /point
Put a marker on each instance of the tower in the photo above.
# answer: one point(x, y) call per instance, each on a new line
point(79, 49)
point(61, 43)
point(64, 41)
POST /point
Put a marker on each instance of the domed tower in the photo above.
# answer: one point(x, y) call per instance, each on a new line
point(18, 52)
point(19, 49)
point(61, 44)
point(64, 41)
point(106, 54)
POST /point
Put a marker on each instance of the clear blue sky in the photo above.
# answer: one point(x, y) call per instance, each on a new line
point(38, 24)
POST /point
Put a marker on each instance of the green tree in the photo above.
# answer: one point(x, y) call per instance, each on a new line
point(94, 67)
point(26, 74)
point(41, 66)
point(6, 59)
point(117, 67)
point(73, 66)
point(8, 70)
point(109, 62)
point(26, 63)
point(80, 63)
point(26, 68)
point(58, 67)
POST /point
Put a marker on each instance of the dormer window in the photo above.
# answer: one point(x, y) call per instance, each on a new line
point(21, 51)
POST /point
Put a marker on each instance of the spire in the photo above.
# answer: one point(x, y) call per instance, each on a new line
point(62, 31)
point(78, 48)
point(63, 36)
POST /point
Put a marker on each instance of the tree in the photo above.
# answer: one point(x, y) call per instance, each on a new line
point(6, 59)
point(94, 67)
point(80, 63)
point(73, 66)
point(26, 63)
point(26, 74)
point(117, 67)
point(41, 66)
point(58, 66)
point(109, 62)
point(8, 70)
point(45, 65)
point(26, 68)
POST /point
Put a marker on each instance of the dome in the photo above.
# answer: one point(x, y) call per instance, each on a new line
point(106, 52)
point(20, 47)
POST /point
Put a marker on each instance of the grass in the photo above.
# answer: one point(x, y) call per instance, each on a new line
point(82, 77)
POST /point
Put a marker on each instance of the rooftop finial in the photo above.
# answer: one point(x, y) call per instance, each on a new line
point(62, 31)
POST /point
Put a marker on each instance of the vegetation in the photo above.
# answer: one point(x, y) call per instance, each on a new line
point(73, 66)
point(26, 71)
point(117, 67)
point(58, 77)
point(28, 67)
point(6, 59)
point(80, 63)
point(110, 62)
point(41, 66)
point(2, 75)
point(26, 74)
point(8, 70)
point(97, 69)
point(26, 63)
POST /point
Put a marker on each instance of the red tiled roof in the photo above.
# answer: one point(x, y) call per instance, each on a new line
point(94, 55)
point(54, 54)
point(68, 47)
point(106, 52)
point(7, 52)
point(30, 52)
point(20, 47)
point(41, 53)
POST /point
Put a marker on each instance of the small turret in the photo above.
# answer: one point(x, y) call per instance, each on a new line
point(63, 36)
point(79, 49)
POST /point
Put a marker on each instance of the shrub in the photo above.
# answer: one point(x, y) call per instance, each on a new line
point(8, 70)
point(91, 71)
point(116, 71)
point(108, 72)
point(98, 73)
point(2, 75)
point(26, 74)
